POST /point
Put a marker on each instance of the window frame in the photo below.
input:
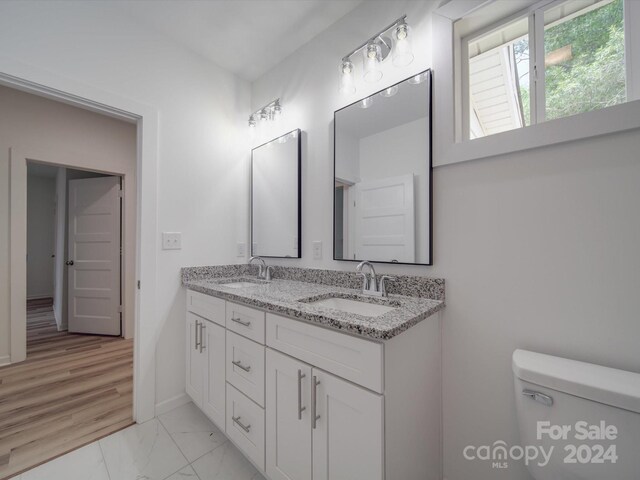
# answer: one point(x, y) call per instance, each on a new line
point(452, 143)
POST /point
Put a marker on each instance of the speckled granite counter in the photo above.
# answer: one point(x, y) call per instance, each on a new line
point(286, 296)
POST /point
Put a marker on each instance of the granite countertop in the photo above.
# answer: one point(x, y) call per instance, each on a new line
point(291, 298)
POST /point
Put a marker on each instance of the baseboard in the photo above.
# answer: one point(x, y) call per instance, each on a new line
point(170, 404)
point(6, 360)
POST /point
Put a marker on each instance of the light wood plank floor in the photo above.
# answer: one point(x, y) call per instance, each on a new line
point(72, 390)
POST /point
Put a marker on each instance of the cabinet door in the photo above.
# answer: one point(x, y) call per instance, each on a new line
point(288, 386)
point(348, 435)
point(214, 386)
point(196, 362)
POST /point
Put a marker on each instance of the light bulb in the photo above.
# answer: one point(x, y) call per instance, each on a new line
point(372, 72)
point(264, 116)
point(277, 111)
point(347, 86)
point(366, 102)
point(252, 121)
point(418, 79)
point(389, 92)
point(402, 54)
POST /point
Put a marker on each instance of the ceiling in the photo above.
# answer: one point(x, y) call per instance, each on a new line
point(246, 37)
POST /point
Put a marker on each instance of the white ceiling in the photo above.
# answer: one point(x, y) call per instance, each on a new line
point(246, 37)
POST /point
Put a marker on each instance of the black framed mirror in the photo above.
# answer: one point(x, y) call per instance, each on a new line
point(276, 184)
point(382, 176)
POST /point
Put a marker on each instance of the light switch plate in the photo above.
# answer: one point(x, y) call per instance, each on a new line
point(241, 249)
point(171, 240)
point(317, 250)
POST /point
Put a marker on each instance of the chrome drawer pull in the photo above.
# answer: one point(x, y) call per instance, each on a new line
point(202, 328)
point(244, 324)
point(300, 407)
point(314, 402)
point(538, 397)
point(197, 346)
point(237, 421)
point(238, 364)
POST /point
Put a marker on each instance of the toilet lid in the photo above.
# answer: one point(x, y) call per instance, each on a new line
point(610, 386)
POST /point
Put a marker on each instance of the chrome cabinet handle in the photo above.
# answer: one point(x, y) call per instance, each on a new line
point(202, 328)
point(300, 407)
point(314, 402)
point(69, 263)
point(244, 324)
point(197, 346)
point(238, 364)
point(237, 421)
point(538, 397)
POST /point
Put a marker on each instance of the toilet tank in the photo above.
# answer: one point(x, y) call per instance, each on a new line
point(584, 417)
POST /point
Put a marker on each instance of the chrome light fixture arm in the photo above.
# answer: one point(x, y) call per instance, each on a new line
point(379, 35)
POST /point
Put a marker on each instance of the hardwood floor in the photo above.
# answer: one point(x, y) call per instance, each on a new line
point(70, 391)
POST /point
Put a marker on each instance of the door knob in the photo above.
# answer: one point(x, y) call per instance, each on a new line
point(69, 262)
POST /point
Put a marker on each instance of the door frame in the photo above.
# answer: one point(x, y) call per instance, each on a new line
point(17, 75)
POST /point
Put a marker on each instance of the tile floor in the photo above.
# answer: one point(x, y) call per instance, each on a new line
point(179, 445)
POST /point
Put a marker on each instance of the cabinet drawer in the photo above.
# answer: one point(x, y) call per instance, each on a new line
point(206, 306)
point(246, 321)
point(245, 425)
point(245, 366)
point(360, 361)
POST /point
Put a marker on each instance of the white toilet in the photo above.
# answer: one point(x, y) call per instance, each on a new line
point(577, 400)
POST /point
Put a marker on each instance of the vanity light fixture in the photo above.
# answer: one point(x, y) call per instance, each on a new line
point(375, 50)
point(270, 112)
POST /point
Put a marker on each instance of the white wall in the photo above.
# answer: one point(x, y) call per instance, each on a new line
point(202, 159)
point(40, 235)
point(539, 249)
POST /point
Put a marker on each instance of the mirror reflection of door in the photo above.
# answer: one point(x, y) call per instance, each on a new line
point(94, 256)
point(382, 197)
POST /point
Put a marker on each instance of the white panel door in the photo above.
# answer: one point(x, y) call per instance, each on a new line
point(94, 256)
point(288, 436)
point(196, 360)
point(348, 438)
point(214, 400)
point(385, 220)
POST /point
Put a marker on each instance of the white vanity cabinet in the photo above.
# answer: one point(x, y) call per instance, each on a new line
point(304, 402)
point(344, 442)
point(205, 355)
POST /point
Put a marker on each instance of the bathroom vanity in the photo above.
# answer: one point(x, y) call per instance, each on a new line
point(310, 379)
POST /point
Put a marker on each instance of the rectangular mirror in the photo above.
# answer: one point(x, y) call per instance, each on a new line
point(275, 197)
point(382, 170)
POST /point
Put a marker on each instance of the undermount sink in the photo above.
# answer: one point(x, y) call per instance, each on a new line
point(365, 309)
point(239, 284)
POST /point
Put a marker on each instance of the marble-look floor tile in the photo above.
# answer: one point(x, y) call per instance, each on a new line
point(186, 473)
point(225, 463)
point(192, 431)
point(142, 452)
point(86, 463)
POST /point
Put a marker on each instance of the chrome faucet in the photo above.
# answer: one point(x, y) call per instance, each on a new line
point(370, 283)
point(264, 272)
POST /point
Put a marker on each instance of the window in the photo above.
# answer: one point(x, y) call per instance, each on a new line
point(554, 60)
